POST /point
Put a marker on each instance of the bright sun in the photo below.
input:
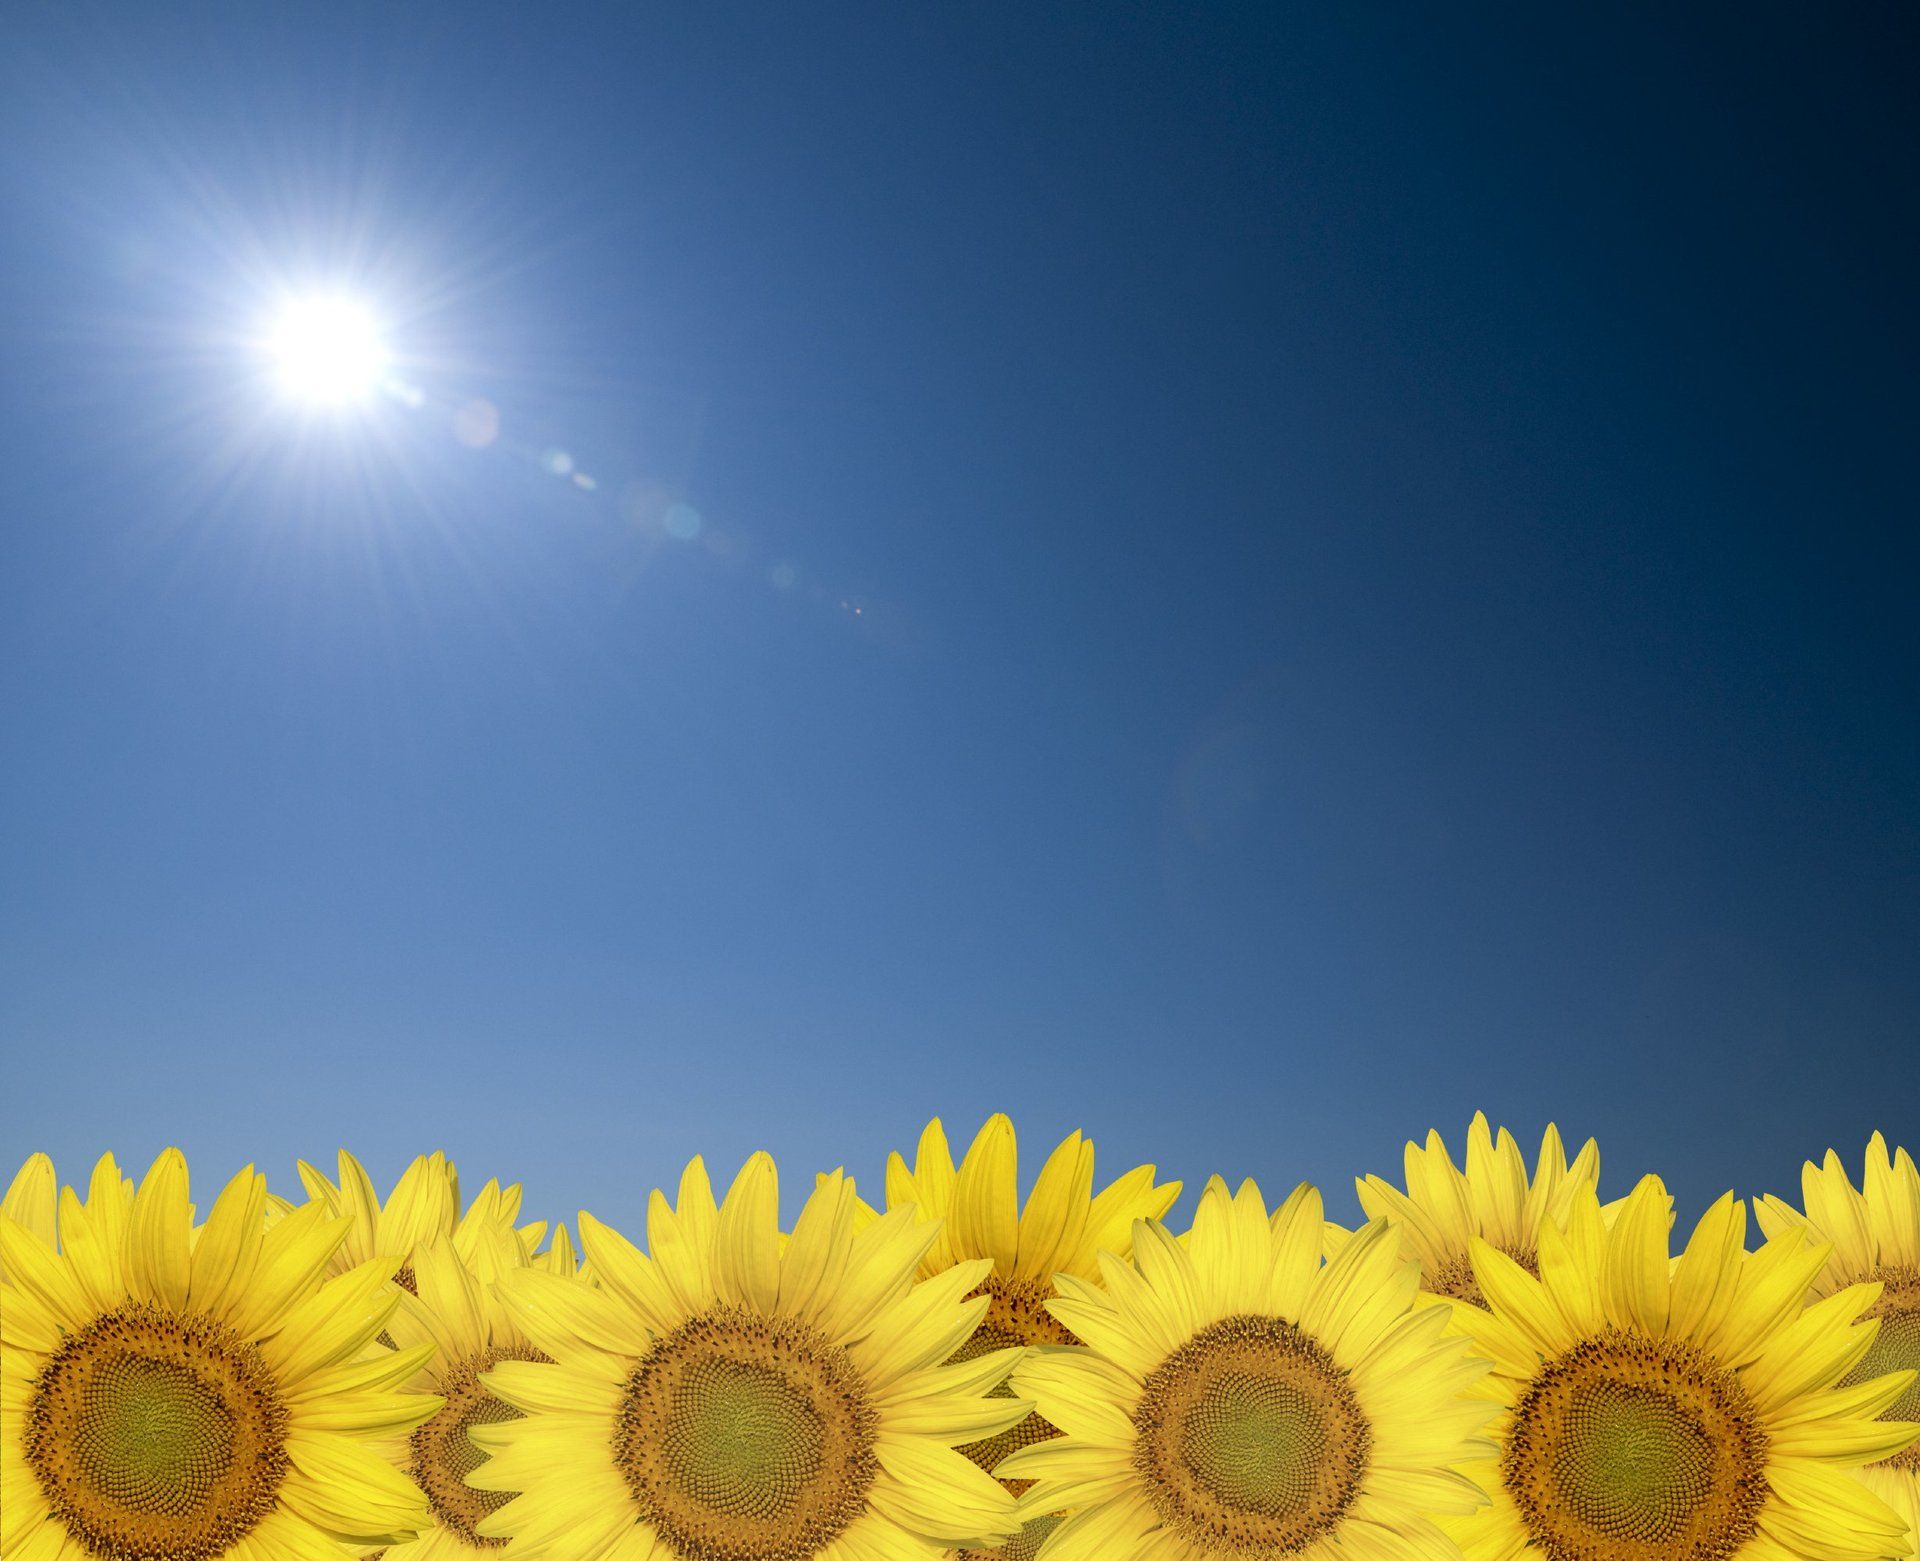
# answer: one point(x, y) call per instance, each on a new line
point(327, 350)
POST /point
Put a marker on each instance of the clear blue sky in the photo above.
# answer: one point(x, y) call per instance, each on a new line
point(1248, 579)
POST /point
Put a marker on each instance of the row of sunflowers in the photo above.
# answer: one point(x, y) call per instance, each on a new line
point(1496, 1365)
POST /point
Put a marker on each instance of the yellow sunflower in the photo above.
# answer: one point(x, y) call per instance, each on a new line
point(1654, 1410)
point(423, 1207)
point(1063, 1230)
point(1874, 1233)
point(1443, 1209)
point(456, 1314)
point(1238, 1398)
point(737, 1396)
point(170, 1394)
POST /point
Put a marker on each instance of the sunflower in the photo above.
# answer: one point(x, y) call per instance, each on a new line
point(740, 1397)
point(1874, 1233)
point(1239, 1398)
point(173, 1395)
point(455, 1313)
point(1654, 1410)
point(1063, 1230)
point(1443, 1209)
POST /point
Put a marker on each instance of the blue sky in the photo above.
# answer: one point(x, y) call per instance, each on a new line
point(1248, 579)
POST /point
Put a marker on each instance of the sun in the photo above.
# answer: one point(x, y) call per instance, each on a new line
point(327, 350)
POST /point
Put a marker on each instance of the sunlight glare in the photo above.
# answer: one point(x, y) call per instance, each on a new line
point(328, 350)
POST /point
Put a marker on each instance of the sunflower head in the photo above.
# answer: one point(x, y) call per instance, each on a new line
point(1239, 1397)
point(1442, 1210)
point(736, 1395)
point(1873, 1233)
point(179, 1394)
point(1696, 1408)
point(455, 1315)
point(1063, 1229)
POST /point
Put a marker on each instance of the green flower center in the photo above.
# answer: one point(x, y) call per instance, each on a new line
point(1634, 1461)
point(1635, 1449)
point(1257, 1442)
point(746, 1438)
point(156, 1435)
point(1251, 1439)
point(742, 1438)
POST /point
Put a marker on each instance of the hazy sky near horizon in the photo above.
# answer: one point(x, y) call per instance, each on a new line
point(1251, 579)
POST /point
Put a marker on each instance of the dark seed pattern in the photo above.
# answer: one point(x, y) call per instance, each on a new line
point(443, 1454)
point(745, 1437)
point(1016, 1315)
point(1251, 1440)
point(1024, 1546)
point(1455, 1277)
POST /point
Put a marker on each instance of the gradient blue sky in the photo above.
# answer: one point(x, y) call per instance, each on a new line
point(1247, 579)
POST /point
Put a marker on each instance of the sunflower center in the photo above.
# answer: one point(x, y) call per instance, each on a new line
point(1017, 1315)
point(1897, 1348)
point(443, 1454)
point(1250, 1438)
point(153, 1434)
point(1634, 1449)
point(1455, 1277)
point(746, 1438)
